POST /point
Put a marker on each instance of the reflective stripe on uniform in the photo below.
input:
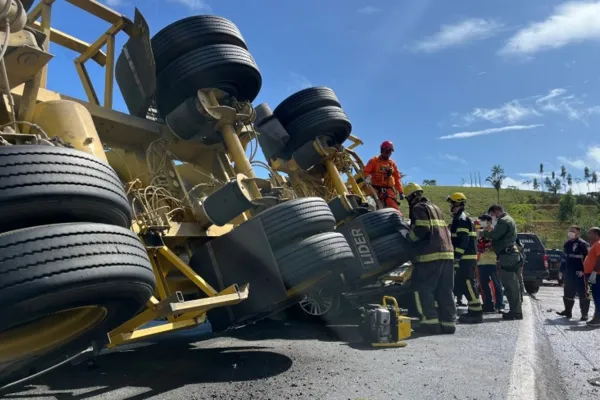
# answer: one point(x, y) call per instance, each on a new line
point(433, 321)
point(418, 305)
point(459, 250)
point(465, 230)
point(412, 236)
point(576, 256)
point(435, 257)
point(473, 234)
point(469, 257)
point(449, 324)
point(454, 235)
point(430, 222)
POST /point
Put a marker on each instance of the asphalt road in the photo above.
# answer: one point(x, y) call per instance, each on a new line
point(540, 357)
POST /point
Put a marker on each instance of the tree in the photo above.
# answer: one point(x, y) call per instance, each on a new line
point(578, 181)
point(496, 179)
point(548, 183)
point(430, 182)
point(594, 181)
point(536, 184)
point(566, 207)
point(587, 175)
point(553, 175)
point(462, 181)
point(542, 175)
point(556, 185)
point(569, 181)
point(527, 184)
point(563, 175)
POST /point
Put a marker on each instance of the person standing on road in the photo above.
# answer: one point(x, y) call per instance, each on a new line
point(464, 240)
point(503, 234)
point(591, 268)
point(520, 270)
point(488, 271)
point(571, 269)
point(433, 277)
point(382, 173)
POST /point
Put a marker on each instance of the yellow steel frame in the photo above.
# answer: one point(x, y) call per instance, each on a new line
point(167, 301)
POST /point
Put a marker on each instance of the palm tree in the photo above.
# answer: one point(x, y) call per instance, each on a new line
point(536, 184)
point(542, 175)
point(587, 176)
point(563, 175)
point(496, 179)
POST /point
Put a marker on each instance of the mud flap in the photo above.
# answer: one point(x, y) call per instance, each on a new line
point(244, 255)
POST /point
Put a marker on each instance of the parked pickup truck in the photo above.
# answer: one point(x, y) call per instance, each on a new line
point(535, 269)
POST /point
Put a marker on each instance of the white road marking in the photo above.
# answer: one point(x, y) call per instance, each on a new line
point(522, 377)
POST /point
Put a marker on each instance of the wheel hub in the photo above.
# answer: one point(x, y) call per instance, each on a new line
point(317, 303)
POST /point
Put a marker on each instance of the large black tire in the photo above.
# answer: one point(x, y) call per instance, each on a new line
point(304, 101)
point(391, 248)
point(54, 268)
point(296, 219)
point(178, 38)
point(381, 222)
point(41, 185)
point(308, 258)
point(532, 287)
point(221, 66)
point(324, 121)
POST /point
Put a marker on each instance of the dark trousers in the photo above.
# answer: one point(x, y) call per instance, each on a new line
point(596, 295)
point(576, 286)
point(432, 282)
point(465, 284)
point(488, 274)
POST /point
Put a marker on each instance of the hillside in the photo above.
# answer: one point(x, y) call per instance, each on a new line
point(534, 211)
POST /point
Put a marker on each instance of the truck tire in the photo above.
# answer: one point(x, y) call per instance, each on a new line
point(391, 248)
point(309, 257)
point(180, 37)
point(222, 66)
point(324, 121)
point(296, 219)
point(532, 287)
point(381, 222)
point(62, 273)
point(41, 185)
point(304, 101)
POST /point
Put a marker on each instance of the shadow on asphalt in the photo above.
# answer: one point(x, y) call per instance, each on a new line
point(160, 367)
point(580, 328)
point(560, 321)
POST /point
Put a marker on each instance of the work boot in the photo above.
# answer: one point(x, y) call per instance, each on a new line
point(489, 309)
point(448, 329)
point(511, 316)
point(568, 312)
point(584, 305)
point(471, 317)
point(594, 323)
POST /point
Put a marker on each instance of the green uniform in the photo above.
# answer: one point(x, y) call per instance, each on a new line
point(504, 242)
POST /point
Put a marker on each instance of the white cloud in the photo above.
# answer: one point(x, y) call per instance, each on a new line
point(571, 22)
point(452, 157)
point(194, 5)
point(557, 101)
point(115, 3)
point(368, 10)
point(590, 159)
point(298, 82)
point(463, 32)
point(464, 135)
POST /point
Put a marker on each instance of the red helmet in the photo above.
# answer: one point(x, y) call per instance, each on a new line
point(387, 145)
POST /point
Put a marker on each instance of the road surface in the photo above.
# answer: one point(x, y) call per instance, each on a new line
point(540, 357)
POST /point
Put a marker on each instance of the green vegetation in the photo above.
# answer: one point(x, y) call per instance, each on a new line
point(546, 214)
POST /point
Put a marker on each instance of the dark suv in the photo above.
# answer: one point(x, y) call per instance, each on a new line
point(536, 262)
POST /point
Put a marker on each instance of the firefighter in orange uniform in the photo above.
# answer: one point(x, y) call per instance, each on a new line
point(382, 173)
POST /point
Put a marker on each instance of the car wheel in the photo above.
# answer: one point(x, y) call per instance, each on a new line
point(532, 287)
point(221, 66)
point(304, 101)
point(65, 286)
point(42, 185)
point(185, 35)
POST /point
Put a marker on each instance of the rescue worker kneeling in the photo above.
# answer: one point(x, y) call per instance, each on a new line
point(382, 173)
point(464, 240)
point(432, 278)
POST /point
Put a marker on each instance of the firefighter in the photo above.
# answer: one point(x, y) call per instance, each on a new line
point(464, 240)
point(432, 278)
point(382, 173)
point(571, 269)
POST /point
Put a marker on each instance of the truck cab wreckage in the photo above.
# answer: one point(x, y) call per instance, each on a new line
point(109, 221)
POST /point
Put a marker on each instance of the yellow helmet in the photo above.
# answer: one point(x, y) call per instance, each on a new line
point(457, 197)
point(412, 188)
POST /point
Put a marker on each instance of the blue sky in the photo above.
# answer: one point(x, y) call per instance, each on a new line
point(457, 85)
